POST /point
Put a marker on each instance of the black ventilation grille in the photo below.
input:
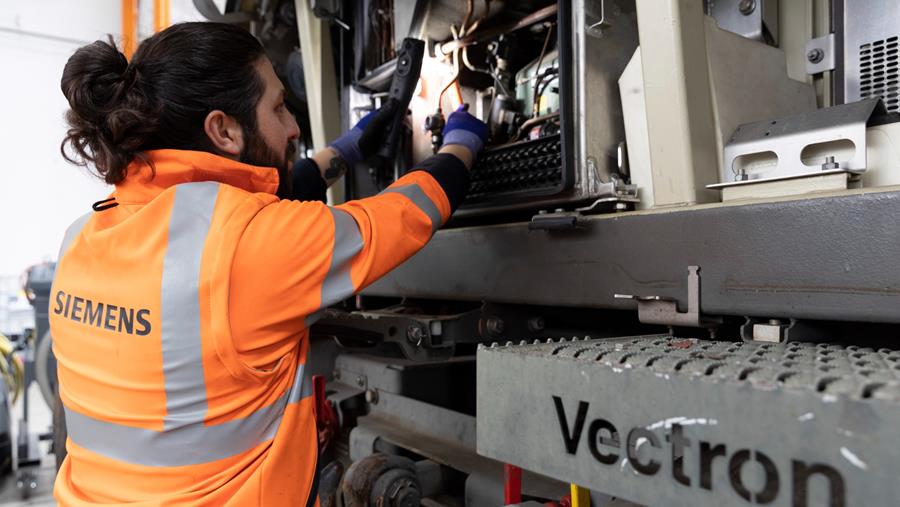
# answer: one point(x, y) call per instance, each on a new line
point(518, 170)
point(878, 63)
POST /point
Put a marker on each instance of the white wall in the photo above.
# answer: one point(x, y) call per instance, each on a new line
point(40, 193)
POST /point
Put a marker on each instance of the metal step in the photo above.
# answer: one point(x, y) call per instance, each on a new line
point(685, 422)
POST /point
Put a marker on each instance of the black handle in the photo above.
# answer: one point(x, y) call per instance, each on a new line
point(409, 66)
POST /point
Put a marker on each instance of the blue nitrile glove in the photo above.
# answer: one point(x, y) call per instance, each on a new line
point(366, 137)
point(464, 129)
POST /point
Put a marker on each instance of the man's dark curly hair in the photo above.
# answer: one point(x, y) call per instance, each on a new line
point(161, 98)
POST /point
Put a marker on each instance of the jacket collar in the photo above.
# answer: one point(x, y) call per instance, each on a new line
point(182, 166)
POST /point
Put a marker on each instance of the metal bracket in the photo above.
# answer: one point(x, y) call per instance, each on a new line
point(622, 197)
point(559, 220)
point(664, 311)
point(786, 138)
point(820, 54)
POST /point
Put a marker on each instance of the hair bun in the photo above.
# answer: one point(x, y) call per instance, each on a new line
point(108, 119)
point(94, 78)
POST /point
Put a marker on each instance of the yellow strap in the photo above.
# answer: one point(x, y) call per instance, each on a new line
point(581, 497)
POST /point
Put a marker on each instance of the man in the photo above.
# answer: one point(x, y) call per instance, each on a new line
point(181, 305)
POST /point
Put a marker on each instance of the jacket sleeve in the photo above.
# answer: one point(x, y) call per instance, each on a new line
point(296, 258)
point(307, 182)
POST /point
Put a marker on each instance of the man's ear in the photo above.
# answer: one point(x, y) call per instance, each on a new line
point(224, 133)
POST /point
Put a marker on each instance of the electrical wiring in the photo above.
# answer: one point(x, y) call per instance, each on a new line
point(464, 30)
point(540, 85)
point(537, 70)
point(11, 367)
point(455, 77)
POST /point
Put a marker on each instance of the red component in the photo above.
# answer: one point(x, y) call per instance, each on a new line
point(326, 417)
point(566, 501)
point(512, 484)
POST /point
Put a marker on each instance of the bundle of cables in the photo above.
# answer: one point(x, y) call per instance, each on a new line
point(11, 367)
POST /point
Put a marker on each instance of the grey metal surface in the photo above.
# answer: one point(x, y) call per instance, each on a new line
point(747, 18)
point(676, 422)
point(829, 258)
point(788, 137)
point(871, 29)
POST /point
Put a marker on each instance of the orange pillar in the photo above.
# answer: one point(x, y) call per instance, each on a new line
point(160, 15)
point(129, 27)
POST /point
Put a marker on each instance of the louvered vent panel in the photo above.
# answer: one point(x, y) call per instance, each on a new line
point(878, 62)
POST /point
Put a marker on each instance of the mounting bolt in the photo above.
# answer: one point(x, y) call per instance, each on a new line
point(830, 164)
point(815, 55)
point(360, 381)
point(372, 396)
point(536, 324)
point(495, 325)
point(415, 335)
point(747, 7)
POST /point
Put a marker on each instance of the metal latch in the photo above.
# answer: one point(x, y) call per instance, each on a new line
point(664, 311)
point(559, 220)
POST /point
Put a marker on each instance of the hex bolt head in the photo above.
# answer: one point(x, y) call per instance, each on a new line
point(747, 7)
point(815, 55)
point(360, 381)
point(830, 164)
point(415, 335)
point(495, 325)
point(536, 324)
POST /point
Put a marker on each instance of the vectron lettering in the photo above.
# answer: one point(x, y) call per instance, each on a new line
point(606, 448)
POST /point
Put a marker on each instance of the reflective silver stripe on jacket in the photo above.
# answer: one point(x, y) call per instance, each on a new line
point(338, 284)
point(72, 232)
point(185, 438)
point(414, 193)
point(192, 212)
point(190, 444)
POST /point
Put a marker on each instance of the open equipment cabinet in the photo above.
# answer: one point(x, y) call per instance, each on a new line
point(674, 281)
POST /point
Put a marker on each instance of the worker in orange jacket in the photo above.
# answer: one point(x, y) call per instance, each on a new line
point(181, 305)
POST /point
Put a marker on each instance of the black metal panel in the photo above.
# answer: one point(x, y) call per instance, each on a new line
point(829, 258)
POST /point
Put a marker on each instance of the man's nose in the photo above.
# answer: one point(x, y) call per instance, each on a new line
point(294, 132)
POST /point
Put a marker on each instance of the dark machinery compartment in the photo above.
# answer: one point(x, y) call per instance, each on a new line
point(525, 72)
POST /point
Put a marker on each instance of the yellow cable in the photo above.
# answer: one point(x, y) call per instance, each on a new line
point(13, 374)
point(581, 497)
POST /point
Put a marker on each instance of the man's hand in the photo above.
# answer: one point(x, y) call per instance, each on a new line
point(465, 130)
point(367, 136)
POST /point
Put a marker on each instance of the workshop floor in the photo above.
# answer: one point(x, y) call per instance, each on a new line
point(40, 418)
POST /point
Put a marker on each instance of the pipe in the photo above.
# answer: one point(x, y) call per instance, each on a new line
point(474, 38)
point(129, 27)
point(160, 15)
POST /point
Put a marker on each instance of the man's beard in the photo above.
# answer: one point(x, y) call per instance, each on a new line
point(257, 152)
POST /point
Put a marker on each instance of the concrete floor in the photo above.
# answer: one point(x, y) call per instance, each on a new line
point(40, 418)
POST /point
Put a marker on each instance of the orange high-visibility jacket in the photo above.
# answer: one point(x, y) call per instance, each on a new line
point(180, 317)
